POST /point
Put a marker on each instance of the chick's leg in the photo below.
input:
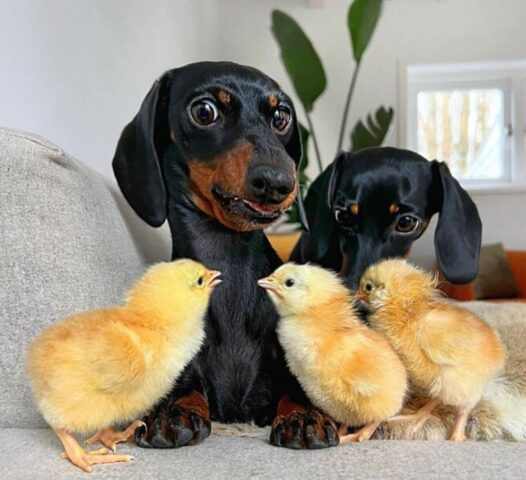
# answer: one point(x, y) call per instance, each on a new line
point(422, 415)
point(459, 428)
point(365, 433)
point(109, 437)
point(77, 456)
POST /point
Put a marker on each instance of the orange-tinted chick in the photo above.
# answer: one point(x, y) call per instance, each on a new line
point(103, 367)
point(448, 351)
point(346, 369)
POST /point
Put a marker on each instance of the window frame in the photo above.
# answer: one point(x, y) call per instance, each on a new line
point(509, 76)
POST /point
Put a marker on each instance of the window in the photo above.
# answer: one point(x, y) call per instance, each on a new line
point(468, 115)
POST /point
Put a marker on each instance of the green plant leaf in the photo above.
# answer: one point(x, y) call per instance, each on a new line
point(302, 176)
point(301, 61)
point(361, 20)
point(373, 132)
point(292, 213)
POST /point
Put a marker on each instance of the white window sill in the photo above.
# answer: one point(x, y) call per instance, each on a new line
point(496, 189)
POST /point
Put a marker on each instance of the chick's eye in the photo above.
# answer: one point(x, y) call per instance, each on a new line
point(289, 282)
point(203, 112)
point(407, 224)
point(280, 120)
point(201, 281)
point(368, 287)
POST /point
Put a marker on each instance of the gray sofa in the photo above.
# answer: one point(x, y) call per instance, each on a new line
point(69, 242)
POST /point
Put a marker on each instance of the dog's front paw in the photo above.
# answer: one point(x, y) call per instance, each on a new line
point(185, 422)
point(304, 430)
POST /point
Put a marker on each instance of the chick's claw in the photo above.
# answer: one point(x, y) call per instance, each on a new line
point(110, 438)
point(304, 430)
point(82, 459)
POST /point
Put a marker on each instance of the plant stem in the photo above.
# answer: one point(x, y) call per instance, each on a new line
point(347, 105)
point(314, 139)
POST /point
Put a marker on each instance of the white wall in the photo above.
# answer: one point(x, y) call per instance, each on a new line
point(76, 71)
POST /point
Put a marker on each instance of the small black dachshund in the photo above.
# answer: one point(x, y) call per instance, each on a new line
point(214, 149)
point(375, 203)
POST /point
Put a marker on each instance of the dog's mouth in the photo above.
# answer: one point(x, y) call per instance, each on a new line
point(252, 211)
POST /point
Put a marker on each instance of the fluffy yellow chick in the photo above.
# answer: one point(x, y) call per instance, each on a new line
point(103, 367)
point(448, 351)
point(346, 369)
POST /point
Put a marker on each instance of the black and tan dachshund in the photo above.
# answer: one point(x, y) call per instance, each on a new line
point(214, 149)
point(375, 203)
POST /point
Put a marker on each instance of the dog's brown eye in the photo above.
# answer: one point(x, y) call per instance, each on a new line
point(406, 224)
point(203, 112)
point(343, 217)
point(281, 119)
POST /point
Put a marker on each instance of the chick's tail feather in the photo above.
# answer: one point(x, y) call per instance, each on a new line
point(508, 403)
point(505, 396)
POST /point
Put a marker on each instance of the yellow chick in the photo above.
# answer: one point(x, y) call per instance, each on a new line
point(448, 352)
point(346, 369)
point(103, 367)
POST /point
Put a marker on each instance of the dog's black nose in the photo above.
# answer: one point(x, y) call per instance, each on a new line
point(269, 185)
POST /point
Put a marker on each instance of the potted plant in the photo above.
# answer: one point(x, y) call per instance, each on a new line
point(306, 72)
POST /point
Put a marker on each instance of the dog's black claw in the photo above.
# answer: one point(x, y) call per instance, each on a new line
point(182, 433)
point(189, 427)
point(296, 432)
point(161, 441)
point(312, 438)
point(201, 428)
point(277, 432)
point(140, 437)
point(333, 438)
point(311, 430)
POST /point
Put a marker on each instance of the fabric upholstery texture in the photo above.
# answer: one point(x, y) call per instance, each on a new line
point(65, 247)
point(34, 455)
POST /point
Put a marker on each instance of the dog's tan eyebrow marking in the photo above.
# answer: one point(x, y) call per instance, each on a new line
point(223, 97)
point(394, 208)
point(273, 101)
point(354, 209)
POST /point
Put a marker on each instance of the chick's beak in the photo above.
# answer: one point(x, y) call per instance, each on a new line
point(269, 283)
point(360, 296)
point(212, 279)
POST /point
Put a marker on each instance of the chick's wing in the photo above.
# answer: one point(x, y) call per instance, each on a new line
point(445, 336)
point(117, 359)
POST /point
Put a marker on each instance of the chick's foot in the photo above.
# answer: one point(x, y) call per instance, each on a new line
point(362, 435)
point(421, 416)
point(82, 459)
point(109, 438)
point(459, 428)
point(304, 430)
point(185, 422)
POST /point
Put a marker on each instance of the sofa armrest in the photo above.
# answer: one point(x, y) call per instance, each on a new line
point(458, 292)
point(517, 261)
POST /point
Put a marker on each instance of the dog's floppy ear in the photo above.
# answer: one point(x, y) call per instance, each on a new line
point(294, 148)
point(136, 161)
point(459, 230)
point(322, 226)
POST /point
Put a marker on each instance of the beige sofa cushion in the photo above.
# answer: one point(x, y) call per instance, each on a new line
point(68, 242)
